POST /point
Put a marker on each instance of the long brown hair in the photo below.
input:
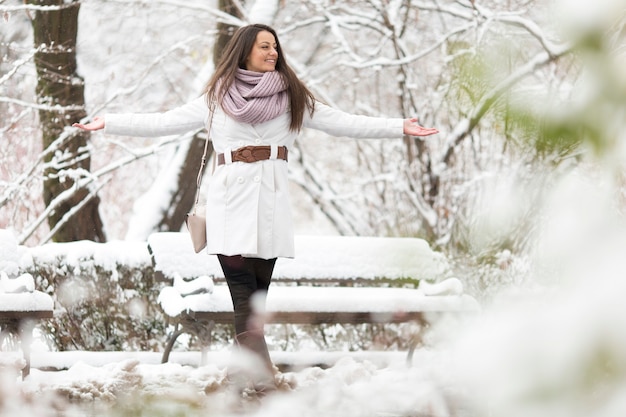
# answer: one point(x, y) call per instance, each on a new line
point(234, 56)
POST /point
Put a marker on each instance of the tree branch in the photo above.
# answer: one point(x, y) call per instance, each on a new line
point(466, 125)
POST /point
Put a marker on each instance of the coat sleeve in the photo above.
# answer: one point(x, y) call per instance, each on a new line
point(183, 119)
point(338, 123)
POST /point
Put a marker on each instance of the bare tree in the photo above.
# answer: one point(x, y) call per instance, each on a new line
point(182, 196)
point(230, 15)
point(182, 199)
point(454, 65)
point(60, 92)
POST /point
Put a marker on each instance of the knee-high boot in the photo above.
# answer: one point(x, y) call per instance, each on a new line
point(254, 342)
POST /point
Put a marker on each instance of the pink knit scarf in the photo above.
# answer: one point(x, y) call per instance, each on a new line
point(256, 97)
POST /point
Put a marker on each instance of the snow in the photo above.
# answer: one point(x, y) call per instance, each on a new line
point(62, 361)
point(321, 299)
point(17, 291)
point(26, 302)
point(107, 377)
point(349, 388)
point(10, 260)
point(555, 348)
point(263, 11)
point(333, 258)
point(551, 350)
point(23, 283)
point(108, 256)
point(317, 257)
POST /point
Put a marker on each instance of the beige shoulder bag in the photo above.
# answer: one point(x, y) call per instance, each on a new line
point(196, 220)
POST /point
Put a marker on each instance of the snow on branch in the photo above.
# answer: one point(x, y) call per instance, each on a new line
point(138, 154)
point(487, 16)
point(301, 24)
point(446, 9)
point(18, 64)
point(51, 108)
point(334, 24)
point(466, 125)
point(86, 181)
point(262, 11)
point(63, 197)
point(156, 62)
point(10, 192)
point(532, 28)
point(380, 62)
point(14, 120)
point(427, 213)
point(318, 190)
point(70, 213)
point(221, 16)
point(36, 8)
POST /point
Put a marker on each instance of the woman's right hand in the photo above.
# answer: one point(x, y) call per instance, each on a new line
point(96, 124)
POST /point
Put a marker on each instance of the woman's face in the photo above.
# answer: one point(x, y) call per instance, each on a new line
point(263, 56)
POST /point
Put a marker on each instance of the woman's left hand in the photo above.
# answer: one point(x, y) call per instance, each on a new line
point(413, 129)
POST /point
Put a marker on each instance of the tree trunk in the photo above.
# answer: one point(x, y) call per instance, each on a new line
point(60, 92)
point(225, 31)
point(182, 200)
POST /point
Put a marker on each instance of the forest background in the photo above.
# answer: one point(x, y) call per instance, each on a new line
point(496, 78)
point(523, 190)
point(526, 95)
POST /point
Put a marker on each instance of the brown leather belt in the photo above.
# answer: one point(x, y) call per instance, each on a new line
point(253, 154)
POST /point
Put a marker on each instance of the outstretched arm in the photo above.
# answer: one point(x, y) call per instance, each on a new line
point(338, 123)
point(413, 129)
point(96, 124)
point(182, 119)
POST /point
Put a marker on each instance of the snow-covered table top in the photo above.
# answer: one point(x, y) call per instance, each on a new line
point(34, 304)
point(317, 258)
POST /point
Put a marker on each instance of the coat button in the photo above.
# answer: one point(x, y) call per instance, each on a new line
point(257, 179)
point(240, 143)
point(240, 180)
point(257, 141)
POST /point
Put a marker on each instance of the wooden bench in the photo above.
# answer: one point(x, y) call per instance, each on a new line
point(335, 280)
point(319, 260)
point(19, 313)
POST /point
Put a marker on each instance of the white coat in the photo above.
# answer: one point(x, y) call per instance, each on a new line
point(248, 206)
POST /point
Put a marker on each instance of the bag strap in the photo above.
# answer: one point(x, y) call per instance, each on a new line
point(203, 163)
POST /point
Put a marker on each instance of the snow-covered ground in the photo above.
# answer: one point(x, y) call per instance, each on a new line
point(352, 387)
point(553, 348)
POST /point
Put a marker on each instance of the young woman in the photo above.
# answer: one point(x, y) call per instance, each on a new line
point(254, 106)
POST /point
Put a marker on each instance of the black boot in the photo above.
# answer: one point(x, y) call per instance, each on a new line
point(254, 370)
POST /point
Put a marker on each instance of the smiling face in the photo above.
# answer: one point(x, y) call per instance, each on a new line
point(264, 54)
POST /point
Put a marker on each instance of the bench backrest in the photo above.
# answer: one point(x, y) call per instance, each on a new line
point(318, 259)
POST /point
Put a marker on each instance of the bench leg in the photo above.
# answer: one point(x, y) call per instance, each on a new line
point(415, 340)
point(18, 334)
point(170, 344)
point(5, 336)
point(200, 329)
point(205, 342)
point(26, 337)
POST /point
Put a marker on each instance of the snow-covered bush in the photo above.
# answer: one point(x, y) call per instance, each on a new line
point(105, 296)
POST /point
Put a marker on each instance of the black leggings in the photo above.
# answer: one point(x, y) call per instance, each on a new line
point(245, 277)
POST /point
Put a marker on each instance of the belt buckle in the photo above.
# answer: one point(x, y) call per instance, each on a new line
point(251, 154)
point(245, 154)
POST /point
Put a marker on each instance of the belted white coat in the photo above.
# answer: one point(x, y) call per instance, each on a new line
point(248, 208)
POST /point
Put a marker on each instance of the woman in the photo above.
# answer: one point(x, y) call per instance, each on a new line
point(254, 107)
